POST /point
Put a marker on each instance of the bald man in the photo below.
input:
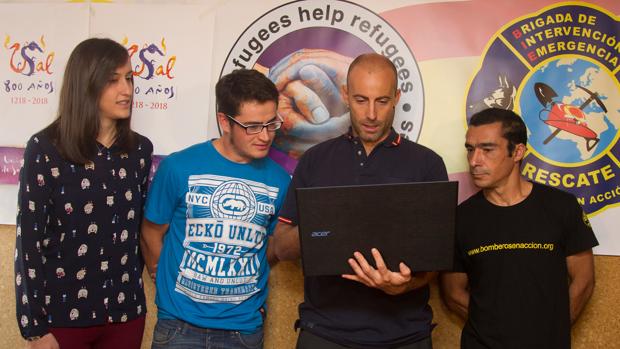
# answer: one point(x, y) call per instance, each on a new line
point(374, 307)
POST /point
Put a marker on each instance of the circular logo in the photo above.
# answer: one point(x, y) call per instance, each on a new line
point(233, 200)
point(558, 68)
point(563, 104)
point(305, 48)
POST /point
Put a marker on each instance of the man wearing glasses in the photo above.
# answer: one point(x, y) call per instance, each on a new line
point(209, 214)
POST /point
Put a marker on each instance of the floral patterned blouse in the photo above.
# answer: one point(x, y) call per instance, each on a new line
point(77, 257)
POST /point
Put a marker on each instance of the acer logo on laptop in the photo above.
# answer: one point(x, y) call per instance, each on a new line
point(320, 234)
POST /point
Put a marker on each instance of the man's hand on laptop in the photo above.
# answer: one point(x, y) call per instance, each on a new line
point(388, 281)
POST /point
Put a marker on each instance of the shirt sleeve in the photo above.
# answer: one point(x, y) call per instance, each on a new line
point(579, 234)
point(286, 179)
point(436, 169)
point(32, 218)
point(147, 157)
point(459, 261)
point(163, 197)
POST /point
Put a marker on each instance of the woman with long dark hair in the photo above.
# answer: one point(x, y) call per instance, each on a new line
point(78, 269)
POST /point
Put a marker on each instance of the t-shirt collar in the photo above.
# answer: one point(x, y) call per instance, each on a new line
point(392, 140)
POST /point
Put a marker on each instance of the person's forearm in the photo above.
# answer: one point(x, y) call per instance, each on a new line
point(272, 259)
point(151, 243)
point(460, 306)
point(454, 288)
point(286, 242)
point(458, 302)
point(418, 280)
point(581, 281)
point(30, 279)
point(151, 249)
point(579, 293)
point(421, 279)
point(48, 341)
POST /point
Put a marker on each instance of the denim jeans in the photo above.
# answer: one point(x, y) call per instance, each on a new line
point(176, 334)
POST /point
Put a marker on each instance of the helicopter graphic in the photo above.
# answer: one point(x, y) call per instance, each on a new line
point(566, 117)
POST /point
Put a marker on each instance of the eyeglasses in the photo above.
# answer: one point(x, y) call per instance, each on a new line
point(258, 128)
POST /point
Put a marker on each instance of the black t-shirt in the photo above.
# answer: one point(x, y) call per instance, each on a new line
point(515, 259)
point(344, 311)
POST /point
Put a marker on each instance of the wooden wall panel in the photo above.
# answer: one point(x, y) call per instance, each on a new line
point(598, 326)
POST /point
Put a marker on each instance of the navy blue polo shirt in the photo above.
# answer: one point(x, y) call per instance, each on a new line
point(344, 311)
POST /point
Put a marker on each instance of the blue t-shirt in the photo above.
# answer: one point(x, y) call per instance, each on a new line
point(213, 269)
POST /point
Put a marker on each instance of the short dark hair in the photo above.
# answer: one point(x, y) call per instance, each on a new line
point(513, 127)
point(240, 86)
point(89, 68)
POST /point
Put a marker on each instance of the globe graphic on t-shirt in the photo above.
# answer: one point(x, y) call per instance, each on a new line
point(233, 200)
point(574, 81)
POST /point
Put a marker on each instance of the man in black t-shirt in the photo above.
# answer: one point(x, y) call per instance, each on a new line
point(523, 267)
point(372, 307)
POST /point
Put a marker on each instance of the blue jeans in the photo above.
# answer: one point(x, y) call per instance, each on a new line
point(176, 334)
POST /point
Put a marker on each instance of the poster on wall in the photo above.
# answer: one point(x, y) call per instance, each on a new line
point(559, 68)
point(451, 64)
point(305, 48)
point(36, 42)
point(170, 50)
point(555, 63)
point(32, 60)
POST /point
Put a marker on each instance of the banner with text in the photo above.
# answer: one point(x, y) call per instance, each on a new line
point(554, 63)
